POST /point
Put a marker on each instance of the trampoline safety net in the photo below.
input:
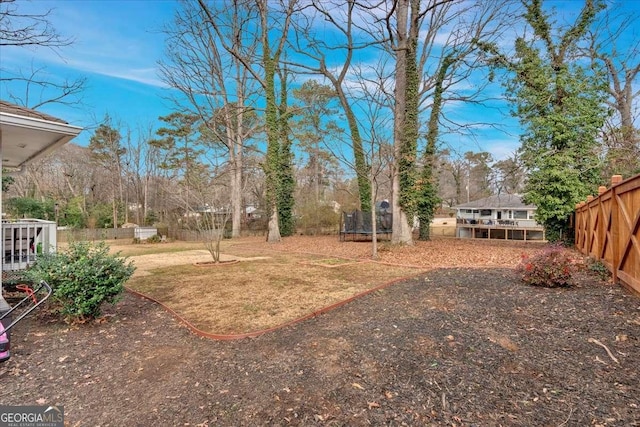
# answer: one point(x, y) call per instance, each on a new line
point(357, 224)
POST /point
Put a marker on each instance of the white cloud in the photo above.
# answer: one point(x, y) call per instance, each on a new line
point(109, 38)
point(501, 149)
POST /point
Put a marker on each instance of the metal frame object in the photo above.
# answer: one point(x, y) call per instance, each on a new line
point(5, 337)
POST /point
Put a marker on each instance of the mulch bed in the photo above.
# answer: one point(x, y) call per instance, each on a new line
point(454, 347)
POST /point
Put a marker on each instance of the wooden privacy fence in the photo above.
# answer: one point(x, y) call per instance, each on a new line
point(93, 234)
point(607, 227)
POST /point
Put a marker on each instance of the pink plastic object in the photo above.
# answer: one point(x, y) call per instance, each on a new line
point(4, 344)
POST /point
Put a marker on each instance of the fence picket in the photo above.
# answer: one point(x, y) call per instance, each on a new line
point(607, 227)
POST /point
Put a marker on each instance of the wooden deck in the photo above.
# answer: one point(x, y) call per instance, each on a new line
point(505, 230)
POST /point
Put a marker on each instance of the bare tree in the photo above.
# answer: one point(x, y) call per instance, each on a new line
point(140, 166)
point(437, 48)
point(209, 213)
point(622, 67)
point(203, 63)
point(408, 17)
point(508, 175)
point(211, 225)
point(31, 29)
point(451, 172)
point(378, 140)
point(34, 88)
point(333, 59)
point(471, 172)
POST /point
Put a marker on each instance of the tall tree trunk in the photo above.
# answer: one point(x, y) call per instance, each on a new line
point(272, 128)
point(428, 189)
point(286, 181)
point(236, 191)
point(402, 233)
point(234, 126)
point(360, 159)
point(115, 210)
point(145, 199)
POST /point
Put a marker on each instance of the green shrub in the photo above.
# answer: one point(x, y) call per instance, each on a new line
point(597, 268)
point(154, 239)
point(82, 278)
point(313, 219)
point(550, 268)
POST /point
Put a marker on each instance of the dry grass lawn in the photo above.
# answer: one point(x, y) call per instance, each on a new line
point(276, 283)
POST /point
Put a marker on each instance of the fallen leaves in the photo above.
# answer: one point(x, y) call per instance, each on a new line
point(347, 379)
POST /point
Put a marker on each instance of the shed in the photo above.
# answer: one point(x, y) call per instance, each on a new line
point(143, 233)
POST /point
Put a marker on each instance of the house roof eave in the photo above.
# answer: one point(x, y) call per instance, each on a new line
point(27, 137)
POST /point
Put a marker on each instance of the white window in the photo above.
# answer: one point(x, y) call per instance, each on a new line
point(519, 214)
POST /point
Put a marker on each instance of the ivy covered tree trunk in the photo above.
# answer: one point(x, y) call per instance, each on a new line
point(407, 167)
point(286, 180)
point(276, 126)
point(272, 162)
point(287, 183)
point(362, 167)
point(360, 159)
point(405, 121)
point(428, 199)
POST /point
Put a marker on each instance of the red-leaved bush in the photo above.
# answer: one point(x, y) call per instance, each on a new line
point(551, 268)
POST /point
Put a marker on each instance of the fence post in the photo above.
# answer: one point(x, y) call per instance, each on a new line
point(602, 225)
point(577, 239)
point(615, 227)
point(591, 232)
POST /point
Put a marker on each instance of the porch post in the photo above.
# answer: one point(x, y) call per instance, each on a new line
point(4, 306)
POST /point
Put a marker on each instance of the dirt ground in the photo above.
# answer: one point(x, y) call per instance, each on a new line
point(464, 344)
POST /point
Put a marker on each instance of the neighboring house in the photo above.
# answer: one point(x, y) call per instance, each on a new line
point(504, 216)
point(199, 211)
point(251, 213)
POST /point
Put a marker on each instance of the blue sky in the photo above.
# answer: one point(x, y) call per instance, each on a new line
point(117, 46)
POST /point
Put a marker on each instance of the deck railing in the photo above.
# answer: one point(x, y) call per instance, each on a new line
point(501, 223)
point(24, 239)
point(511, 229)
point(607, 227)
